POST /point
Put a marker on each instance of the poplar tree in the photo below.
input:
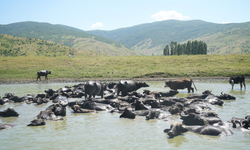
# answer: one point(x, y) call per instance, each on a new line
point(166, 50)
point(189, 48)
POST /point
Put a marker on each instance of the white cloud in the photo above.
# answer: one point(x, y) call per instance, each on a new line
point(226, 22)
point(96, 25)
point(166, 15)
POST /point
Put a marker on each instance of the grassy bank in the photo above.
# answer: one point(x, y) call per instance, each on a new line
point(21, 68)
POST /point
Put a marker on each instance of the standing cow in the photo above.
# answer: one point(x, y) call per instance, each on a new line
point(43, 73)
point(126, 86)
point(236, 80)
point(93, 88)
point(180, 84)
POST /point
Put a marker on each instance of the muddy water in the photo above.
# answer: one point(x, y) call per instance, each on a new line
point(107, 131)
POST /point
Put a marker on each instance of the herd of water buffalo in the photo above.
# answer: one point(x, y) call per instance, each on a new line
point(123, 98)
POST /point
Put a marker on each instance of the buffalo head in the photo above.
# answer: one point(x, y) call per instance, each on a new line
point(142, 84)
point(168, 83)
point(176, 129)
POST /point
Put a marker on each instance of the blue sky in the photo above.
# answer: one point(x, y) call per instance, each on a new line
point(114, 14)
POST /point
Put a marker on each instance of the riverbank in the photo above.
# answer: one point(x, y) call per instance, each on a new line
point(69, 80)
point(130, 67)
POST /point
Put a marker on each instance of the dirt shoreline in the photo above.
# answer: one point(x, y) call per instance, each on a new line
point(69, 80)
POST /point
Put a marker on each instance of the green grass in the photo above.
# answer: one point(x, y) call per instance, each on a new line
point(20, 68)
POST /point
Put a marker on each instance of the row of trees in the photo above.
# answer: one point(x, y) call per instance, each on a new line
point(189, 48)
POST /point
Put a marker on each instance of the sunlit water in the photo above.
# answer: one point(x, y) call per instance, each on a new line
point(104, 130)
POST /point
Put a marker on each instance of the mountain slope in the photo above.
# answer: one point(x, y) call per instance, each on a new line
point(152, 37)
point(19, 46)
point(66, 36)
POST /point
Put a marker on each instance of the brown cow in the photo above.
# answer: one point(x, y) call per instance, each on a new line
point(180, 84)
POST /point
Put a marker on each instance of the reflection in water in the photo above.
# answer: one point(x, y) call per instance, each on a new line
point(178, 141)
point(237, 92)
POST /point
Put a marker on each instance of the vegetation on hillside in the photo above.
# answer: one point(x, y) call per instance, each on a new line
point(18, 46)
point(144, 39)
point(20, 68)
point(152, 37)
point(234, 41)
point(67, 36)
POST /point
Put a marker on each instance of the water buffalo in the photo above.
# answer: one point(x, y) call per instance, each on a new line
point(243, 122)
point(180, 84)
point(92, 105)
point(236, 80)
point(159, 114)
point(177, 128)
point(53, 112)
point(43, 73)
point(126, 86)
point(93, 88)
point(207, 118)
point(37, 122)
point(9, 112)
point(128, 113)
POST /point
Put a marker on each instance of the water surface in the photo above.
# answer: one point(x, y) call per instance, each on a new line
point(104, 130)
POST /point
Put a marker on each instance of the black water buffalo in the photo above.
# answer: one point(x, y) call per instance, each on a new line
point(177, 128)
point(243, 122)
point(126, 86)
point(159, 114)
point(9, 112)
point(128, 113)
point(37, 122)
point(93, 88)
point(53, 112)
point(92, 105)
point(180, 84)
point(203, 119)
point(236, 80)
point(43, 73)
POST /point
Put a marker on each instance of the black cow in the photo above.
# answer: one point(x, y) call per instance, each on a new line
point(43, 73)
point(93, 88)
point(126, 86)
point(236, 80)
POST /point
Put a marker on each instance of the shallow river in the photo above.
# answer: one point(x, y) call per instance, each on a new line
point(104, 130)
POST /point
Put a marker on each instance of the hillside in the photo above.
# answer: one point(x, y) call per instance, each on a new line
point(144, 39)
point(19, 46)
point(151, 38)
point(234, 41)
point(67, 36)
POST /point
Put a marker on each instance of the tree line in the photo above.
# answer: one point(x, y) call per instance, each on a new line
point(189, 48)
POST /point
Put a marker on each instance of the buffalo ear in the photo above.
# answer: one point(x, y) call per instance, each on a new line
point(167, 130)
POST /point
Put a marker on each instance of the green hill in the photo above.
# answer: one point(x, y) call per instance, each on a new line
point(67, 36)
point(144, 39)
point(19, 46)
point(152, 37)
